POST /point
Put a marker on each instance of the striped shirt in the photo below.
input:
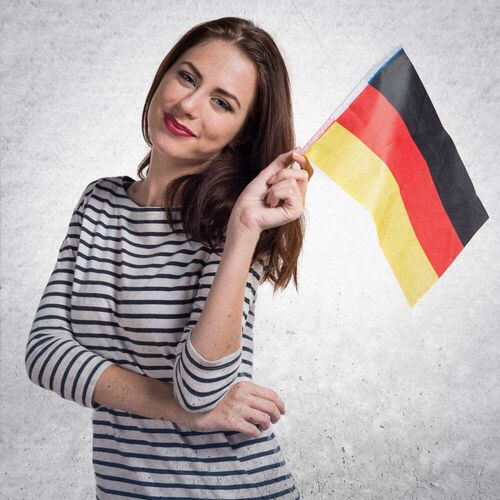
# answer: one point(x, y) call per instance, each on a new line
point(127, 289)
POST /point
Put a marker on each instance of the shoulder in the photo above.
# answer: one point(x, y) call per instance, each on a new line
point(111, 183)
point(100, 186)
point(98, 189)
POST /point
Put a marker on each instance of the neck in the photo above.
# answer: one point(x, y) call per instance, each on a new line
point(161, 172)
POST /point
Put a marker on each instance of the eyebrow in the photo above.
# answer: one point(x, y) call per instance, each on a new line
point(218, 89)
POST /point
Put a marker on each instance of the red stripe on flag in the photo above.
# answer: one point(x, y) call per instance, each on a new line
point(372, 119)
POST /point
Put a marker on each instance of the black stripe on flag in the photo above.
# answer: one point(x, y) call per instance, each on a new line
point(400, 84)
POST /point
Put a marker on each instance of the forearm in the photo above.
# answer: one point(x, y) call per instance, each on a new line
point(134, 393)
point(218, 330)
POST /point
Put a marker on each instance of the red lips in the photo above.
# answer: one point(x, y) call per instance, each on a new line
point(179, 126)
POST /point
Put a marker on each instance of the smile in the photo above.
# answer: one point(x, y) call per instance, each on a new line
point(176, 128)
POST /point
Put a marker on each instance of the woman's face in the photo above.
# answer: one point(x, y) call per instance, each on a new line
point(196, 101)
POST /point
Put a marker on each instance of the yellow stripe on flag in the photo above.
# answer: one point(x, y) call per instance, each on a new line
point(354, 167)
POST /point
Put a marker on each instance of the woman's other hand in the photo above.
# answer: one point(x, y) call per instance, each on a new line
point(276, 196)
point(244, 407)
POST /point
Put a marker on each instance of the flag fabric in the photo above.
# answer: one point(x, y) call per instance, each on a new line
point(387, 148)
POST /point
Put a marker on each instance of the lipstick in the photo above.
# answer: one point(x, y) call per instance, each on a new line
point(173, 127)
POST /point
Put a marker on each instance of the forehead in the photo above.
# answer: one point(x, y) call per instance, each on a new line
point(221, 64)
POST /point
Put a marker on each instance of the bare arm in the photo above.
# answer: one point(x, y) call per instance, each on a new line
point(210, 353)
point(134, 393)
point(217, 333)
point(218, 330)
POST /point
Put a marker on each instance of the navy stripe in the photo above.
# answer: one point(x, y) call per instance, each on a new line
point(127, 289)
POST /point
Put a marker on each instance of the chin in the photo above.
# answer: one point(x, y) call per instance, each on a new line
point(173, 151)
point(167, 144)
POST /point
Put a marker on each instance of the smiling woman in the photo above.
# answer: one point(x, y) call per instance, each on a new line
point(206, 97)
point(143, 320)
point(199, 104)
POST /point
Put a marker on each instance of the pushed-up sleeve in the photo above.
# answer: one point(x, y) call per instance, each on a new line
point(200, 384)
point(54, 359)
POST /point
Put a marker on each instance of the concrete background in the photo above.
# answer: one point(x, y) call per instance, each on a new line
point(382, 401)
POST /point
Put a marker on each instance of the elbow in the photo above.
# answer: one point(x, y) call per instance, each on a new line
point(37, 356)
point(29, 365)
point(200, 384)
point(194, 400)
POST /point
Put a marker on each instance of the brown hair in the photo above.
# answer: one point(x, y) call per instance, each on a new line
point(267, 132)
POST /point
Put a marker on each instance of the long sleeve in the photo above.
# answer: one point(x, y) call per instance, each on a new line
point(54, 359)
point(199, 384)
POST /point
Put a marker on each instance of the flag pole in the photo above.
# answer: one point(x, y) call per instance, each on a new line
point(352, 95)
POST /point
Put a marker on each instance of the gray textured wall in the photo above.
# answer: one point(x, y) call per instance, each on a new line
point(382, 402)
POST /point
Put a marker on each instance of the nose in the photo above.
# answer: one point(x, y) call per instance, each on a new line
point(189, 103)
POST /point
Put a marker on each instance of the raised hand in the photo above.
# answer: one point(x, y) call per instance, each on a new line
point(276, 196)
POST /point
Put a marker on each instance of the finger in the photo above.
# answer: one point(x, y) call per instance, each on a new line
point(263, 418)
point(264, 392)
point(285, 158)
point(282, 190)
point(281, 162)
point(300, 175)
point(302, 178)
point(247, 428)
point(265, 408)
point(303, 162)
point(286, 191)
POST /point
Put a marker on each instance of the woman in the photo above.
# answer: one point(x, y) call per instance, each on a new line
point(147, 317)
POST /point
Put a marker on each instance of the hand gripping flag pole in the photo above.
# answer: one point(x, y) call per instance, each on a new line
point(386, 147)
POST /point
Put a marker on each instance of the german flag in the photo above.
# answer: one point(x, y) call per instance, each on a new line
point(389, 150)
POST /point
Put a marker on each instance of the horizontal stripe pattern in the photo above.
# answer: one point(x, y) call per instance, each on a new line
point(397, 160)
point(127, 288)
point(54, 358)
point(199, 384)
point(400, 84)
point(362, 174)
point(393, 144)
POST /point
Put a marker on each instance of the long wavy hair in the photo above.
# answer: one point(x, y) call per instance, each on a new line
point(267, 132)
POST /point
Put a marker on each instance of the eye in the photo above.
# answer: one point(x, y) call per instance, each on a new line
point(189, 79)
point(226, 105)
point(182, 74)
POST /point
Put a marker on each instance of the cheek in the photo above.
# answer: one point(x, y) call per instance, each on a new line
point(171, 91)
point(218, 128)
